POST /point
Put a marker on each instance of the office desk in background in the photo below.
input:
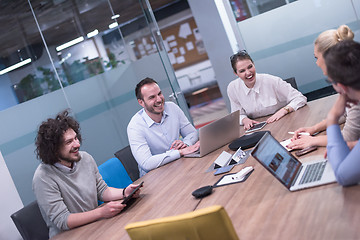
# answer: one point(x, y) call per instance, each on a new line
point(260, 208)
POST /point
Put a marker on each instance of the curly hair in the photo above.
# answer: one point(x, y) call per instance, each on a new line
point(50, 136)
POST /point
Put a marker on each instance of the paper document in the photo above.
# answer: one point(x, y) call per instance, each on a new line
point(285, 143)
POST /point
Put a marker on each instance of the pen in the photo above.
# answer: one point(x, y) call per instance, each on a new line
point(301, 133)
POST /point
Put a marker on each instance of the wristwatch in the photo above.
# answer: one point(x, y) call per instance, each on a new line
point(287, 109)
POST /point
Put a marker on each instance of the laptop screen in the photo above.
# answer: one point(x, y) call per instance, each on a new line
point(219, 132)
point(276, 159)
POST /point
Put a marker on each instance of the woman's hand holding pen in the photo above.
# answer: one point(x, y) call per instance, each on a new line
point(302, 142)
point(299, 132)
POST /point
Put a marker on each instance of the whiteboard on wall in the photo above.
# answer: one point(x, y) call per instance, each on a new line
point(10, 202)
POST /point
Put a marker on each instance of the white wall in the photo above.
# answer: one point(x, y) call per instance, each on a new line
point(9, 203)
point(215, 40)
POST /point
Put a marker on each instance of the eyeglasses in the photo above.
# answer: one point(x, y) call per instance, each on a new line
point(240, 53)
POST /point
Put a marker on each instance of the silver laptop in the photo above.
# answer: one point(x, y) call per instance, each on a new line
point(293, 174)
point(218, 133)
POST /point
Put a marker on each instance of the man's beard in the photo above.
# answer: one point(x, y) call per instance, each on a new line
point(151, 109)
point(70, 160)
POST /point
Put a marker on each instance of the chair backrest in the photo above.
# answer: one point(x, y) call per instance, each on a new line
point(30, 223)
point(292, 82)
point(129, 162)
point(114, 173)
point(205, 224)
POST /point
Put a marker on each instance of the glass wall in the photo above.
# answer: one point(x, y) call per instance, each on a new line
point(280, 41)
point(78, 55)
point(244, 9)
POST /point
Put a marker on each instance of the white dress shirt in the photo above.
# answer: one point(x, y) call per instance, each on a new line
point(150, 142)
point(269, 94)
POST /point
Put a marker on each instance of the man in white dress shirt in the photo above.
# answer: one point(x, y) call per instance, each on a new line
point(154, 131)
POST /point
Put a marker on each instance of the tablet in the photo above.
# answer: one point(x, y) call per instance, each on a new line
point(125, 200)
point(305, 150)
point(256, 127)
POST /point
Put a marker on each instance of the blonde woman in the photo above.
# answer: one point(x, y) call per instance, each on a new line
point(351, 131)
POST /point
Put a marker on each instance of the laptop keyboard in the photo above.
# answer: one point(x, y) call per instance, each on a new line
point(313, 172)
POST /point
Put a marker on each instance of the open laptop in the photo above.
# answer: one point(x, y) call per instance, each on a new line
point(293, 174)
point(218, 133)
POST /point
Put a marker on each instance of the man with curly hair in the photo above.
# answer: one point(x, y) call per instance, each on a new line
point(67, 183)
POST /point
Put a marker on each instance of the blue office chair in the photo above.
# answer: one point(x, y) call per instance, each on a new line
point(114, 174)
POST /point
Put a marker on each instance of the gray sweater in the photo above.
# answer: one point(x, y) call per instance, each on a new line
point(351, 130)
point(60, 193)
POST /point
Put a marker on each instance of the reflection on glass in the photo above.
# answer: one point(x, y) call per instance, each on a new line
point(92, 34)
point(15, 66)
point(244, 9)
point(69, 44)
point(240, 9)
point(61, 23)
point(72, 42)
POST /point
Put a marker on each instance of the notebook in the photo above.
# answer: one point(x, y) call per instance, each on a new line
point(218, 133)
point(293, 174)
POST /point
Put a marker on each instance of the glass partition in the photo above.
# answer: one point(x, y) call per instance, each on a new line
point(82, 56)
point(176, 94)
point(244, 9)
point(283, 41)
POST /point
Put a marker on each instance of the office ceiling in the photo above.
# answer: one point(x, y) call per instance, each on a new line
point(60, 20)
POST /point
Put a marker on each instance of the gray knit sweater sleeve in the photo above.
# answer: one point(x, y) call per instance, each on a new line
point(351, 130)
point(60, 193)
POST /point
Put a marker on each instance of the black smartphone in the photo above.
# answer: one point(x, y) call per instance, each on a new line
point(223, 169)
point(305, 151)
point(256, 127)
point(125, 200)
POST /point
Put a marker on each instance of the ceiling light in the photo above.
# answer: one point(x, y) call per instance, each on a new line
point(115, 16)
point(65, 58)
point(69, 44)
point(15, 66)
point(93, 33)
point(113, 25)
